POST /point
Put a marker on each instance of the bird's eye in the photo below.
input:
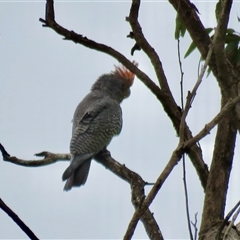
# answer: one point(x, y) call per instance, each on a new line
point(122, 85)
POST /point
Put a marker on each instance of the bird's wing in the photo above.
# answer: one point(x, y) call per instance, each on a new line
point(81, 125)
point(100, 122)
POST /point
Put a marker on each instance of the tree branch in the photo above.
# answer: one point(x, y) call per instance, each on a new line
point(17, 220)
point(228, 79)
point(147, 48)
point(217, 186)
point(137, 186)
point(136, 182)
point(191, 96)
point(209, 126)
point(80, 39)
point(194, 224)
point(49, 158)
point(176, 156)
point(224, 71)
point(168, 102)
point(189, 16)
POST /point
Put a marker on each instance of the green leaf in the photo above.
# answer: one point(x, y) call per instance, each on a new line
point(180, 28)
point(208, 30)
point(232, 38)
point(230, 30)
point(192, 46)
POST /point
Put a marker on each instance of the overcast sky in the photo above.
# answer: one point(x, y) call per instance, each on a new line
point(43, 78)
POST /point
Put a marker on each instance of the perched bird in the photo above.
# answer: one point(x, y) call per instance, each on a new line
point(97, 119)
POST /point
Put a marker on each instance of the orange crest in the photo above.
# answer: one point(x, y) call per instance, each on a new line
point(123, 72)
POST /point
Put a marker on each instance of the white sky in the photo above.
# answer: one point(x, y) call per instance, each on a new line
point(43, 78)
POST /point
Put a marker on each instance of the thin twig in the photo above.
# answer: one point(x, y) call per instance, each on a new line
point(186, 198)
point(195, 226)
point(17, 220)
point(183, 158)
point(210, 125)
point(192, 94)
point(181, 71)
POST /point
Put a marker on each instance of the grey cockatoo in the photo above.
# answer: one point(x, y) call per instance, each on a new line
point(97, 119)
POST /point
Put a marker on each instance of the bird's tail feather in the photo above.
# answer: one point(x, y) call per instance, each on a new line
point(79, 177)
point(75, 162)
point(81, 173)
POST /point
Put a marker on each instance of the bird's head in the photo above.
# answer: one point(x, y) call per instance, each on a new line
point(117, 83)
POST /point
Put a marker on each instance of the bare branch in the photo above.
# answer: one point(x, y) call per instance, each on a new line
point(209, 126)
point(168, 101)
point(219, 40)
point(147, 48)
point(176, 156)
point(186, 198)
point(17, 220)
point(219, 174)
point(192, 94)
point(136, 182)
point(181, 71)
point(183, 160)
point(49, 158)
point(5, 154)
point(80, 39)
point(194, 224)
point(137, 186)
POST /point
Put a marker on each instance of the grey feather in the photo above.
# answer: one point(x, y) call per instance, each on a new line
point(79, 177)
point(75, 162)
point(81, 173)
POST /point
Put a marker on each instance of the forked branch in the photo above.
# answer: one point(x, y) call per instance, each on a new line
point(176, 156)
point(137, 184)
point(83, 40)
